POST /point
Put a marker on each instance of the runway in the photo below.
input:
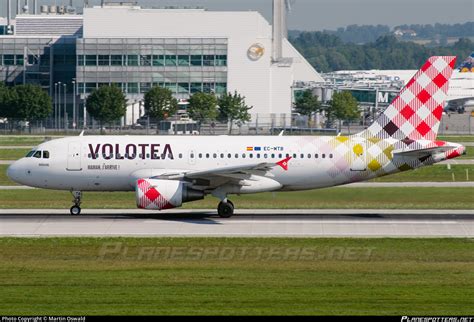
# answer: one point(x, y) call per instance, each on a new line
point(246, 223)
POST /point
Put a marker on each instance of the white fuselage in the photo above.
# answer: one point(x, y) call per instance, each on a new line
point(115, 163)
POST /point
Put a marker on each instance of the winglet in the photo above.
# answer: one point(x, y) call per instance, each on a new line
point(82, 133)
point(284, 163)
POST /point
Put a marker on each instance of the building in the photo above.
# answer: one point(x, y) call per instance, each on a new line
point(185, 50)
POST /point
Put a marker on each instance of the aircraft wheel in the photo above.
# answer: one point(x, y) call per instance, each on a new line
point(75, 210)
point(225, 209)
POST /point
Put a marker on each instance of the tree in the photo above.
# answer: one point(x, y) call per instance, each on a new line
point(160, 103)
point(7, 100)
point(31, 103)
point(106, 104)
point(307, 103)
point(203, 106)
point(344, 107)
point(232, 108)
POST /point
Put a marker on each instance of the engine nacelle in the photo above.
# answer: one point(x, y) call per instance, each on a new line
point(160, 194)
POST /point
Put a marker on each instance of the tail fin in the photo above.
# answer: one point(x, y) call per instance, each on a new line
point(416, 112)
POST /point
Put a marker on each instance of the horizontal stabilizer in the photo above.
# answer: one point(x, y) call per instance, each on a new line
point(424, 152)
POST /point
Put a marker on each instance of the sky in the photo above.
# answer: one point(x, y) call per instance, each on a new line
point(326, 14)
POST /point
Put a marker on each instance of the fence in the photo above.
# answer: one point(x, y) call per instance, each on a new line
point(453, 123)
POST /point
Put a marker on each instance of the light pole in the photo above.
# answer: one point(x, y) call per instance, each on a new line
point(74, 121)
point(59, 105)
point(65, 112)
point(55, 105)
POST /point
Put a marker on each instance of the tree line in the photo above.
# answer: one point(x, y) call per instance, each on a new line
point(327, 52)
point(24, 103)
point(108, 104)
point(439, 29)
point(361, 34)
point(342, 107)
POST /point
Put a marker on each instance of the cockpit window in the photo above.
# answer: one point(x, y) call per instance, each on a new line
point(37, 154)
point(45, 154)
point(30, 154)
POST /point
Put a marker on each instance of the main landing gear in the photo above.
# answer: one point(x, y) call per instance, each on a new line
point(225, 209)
point(76, 209)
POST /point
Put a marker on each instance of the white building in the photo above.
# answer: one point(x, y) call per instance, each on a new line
point(255, 68)
point(184, 50)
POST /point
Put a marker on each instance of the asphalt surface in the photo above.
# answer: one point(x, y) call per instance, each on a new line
point(246, 223)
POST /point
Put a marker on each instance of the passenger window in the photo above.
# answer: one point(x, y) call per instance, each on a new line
point(265, 155)
point(250, 155)
point(324, 156)
point(236, 155)
point(229, 156)
point(200, 155)
point(294, 155)
point(180, 155)
point(45, 154)
point(330, 156)
point(222, 155)
point(37, 154)
point(207, 155)
point(243, 155)
point(316, 156)
point(309, 156)
point(302, 156)
point(214, 155)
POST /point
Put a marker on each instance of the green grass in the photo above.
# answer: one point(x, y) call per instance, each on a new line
point(13, 154)
point(68, 276)
point(436, 173)
point(469, 153)
point(6, 140)
point(351, 198)
point(4, 180)
point(456, 138)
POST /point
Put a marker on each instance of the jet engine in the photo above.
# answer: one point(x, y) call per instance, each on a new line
point(160, 194)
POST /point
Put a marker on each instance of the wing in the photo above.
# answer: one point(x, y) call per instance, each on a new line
point(219, 176)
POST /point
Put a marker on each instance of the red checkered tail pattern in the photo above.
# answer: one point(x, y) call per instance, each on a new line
point(416, 112)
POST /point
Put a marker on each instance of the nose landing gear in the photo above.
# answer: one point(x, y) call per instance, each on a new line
point(76, 209)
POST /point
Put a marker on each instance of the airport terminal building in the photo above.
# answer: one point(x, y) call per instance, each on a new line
point(184, 50)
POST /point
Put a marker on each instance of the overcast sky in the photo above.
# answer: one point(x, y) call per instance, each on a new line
point(328, 14)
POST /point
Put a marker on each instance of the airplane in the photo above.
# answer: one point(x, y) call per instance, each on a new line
point(167, 171)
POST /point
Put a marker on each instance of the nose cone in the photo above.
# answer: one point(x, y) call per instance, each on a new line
point(12, 172)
